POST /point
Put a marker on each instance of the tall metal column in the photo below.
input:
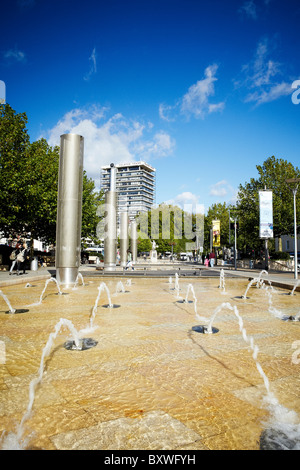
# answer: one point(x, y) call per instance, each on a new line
point(133, 240)
point(123, 238)
point(69, 208)
point(110, 240)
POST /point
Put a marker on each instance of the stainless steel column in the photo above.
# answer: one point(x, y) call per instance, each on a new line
point(69, 208)
point(133, 241)
point(110, 239)
point(123, 238)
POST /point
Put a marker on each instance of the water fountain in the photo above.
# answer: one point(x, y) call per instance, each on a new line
point(120, 288)
point(177, 288)
point(284, 430)
point(15, 441)
point(259, 282)
point(11, 310)
point(128, 357)
point(52, 279)
point(222, 281)
point(101, 288)
point(278, 313)
point(295, 287)
point(79, 276)
point(190, 288)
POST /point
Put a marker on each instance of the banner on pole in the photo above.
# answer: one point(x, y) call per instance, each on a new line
point(216, 233)
point(266, 214)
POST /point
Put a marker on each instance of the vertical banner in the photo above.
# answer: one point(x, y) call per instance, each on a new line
point(2, 92)
point(266, 214)
point(216, 233)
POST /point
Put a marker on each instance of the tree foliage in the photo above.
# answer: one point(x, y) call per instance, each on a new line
point(29, 183)
point(169, 226)
point(14, 141)
point(273, 174)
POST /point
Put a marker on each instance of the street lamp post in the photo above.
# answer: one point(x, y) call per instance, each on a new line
point(235, 246)
point(295, 182)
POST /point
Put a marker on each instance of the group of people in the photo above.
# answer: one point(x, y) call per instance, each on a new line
point(18, 257)
point(210, 260)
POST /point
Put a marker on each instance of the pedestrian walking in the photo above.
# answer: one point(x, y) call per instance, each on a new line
point(13, 256)
point(21, 259)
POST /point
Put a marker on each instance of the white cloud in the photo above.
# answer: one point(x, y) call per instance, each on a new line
point(262, 77)
point(166, 112)
point(249, 9)
point(14, 55)
point(93, 68)
point(106, 140)
point(272, 94)
point(196, 102)
point(221, 189)
point(187, 201)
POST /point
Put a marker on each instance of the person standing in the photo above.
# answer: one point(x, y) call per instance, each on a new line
point(212, 258)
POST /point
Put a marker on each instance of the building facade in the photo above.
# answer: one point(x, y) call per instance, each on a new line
point(135, 185)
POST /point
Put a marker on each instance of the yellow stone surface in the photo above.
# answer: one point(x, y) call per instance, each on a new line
point(151, 382)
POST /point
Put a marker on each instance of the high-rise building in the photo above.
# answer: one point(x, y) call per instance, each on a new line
point(135, 185)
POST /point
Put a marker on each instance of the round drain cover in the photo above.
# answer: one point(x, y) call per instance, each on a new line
point(84, 343)
point(203, 329)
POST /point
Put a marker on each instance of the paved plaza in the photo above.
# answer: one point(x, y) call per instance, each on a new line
point(153, 380)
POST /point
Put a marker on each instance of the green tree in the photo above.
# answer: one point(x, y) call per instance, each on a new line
point(14, 141)
point(29, 183)
point(40, 181)
point(91, 200)
point(273, 174)
point(167, 224)
point(144, 245)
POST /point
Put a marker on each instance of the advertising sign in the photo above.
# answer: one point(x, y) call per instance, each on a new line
point(266, 214)
point(216, 233)
point(2, 92)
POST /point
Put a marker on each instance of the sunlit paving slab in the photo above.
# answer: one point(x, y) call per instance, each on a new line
point(147, 364)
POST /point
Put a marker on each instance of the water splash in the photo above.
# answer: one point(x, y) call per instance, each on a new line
point(101, 288)
point(295, 287)
point(120, 287)
point(79, 276)
point(258, 280)
point(190, 288)
point(15, 441)
point(176, 287)
point(274, 311)
point(11, 310)
point(285, 426)
point(52, 279)
point(222, 281)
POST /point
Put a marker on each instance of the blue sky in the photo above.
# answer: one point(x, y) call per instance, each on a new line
point(201, 90)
